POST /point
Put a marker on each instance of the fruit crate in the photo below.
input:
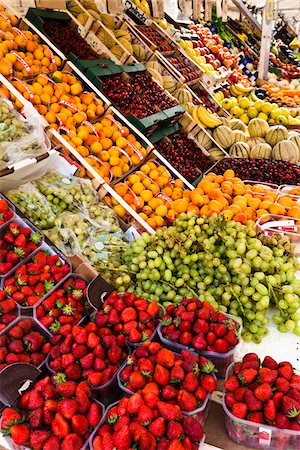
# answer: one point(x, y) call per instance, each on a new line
point(38, 16)
point(220, 360)
point(95, 432)
point(23, 224)
point(151, 122)
point(150, 33)
point(257, 435)
point(183, 67)
point(28, 310)
point(36, 327)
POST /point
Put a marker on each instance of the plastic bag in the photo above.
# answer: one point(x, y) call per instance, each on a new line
point(76, 223)
point(32, 203)
point(24, 138)
point(64, 239)
point(67, 192)
point(101, 249)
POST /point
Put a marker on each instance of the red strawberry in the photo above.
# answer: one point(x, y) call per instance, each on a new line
point(208, 382)
point(290, 407)
point(282, 385)
point(72, 442)
point(168, 411)
point(285, 370)
point(137, 381)
point(193, 429)
point(263, 392)
point(239, 394)
point(281, 421)
point(80, 424)
point(252, 402)
point(267, 375)
point(145, 415)
point(38, 439)
point(270, 410)
point(169, 392)
point(35, 400)
point(239, 410)
point(247, 375)
point(277, 399)
point(157, 427)
point(9, 415)
point(270, 363)
point(256, 417)
point(186, 400)
point(122, 438)
point(250, 357)
point(232, 383)
point(191, 382)
point(60, 426)
point(174, 430)
point(161, 375)
point(53, 443)
point(20, 434)
point(68, 408)
point(94, 415)
point(134, 403)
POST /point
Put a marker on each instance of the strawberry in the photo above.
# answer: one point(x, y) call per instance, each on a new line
point(239, 410)
point(285, 370)
point(230, 399)
point(256, 417)
point(168, 411)
point(20, 434)
point(277, 399)
point(94, 415)
point(232, 383)
point(208, 382)
point(165, 358)
point(72, 442)
point(68, 408)
point(177, 374)
point(193, 429)
point(175, 445)
point(134, 403)
point(122, 438)
point(53, 443)
point(38, 439)
point(9, 415)
point(174, 430)
point(282, 385)
point(60, 426)
point(250, 357)
point(161, 375)
point(267, 375)
point(290, 407)
point(247, 375)
point(263, 392)
point(270, 410)
point(157, 427)
point(35, 400)
point(137, 381)
point(252, 402)
point(186, 400)
point(281, 421)
point(145, 415)
point(190, 383)
point(169, 392)
point(294, 382)
point(79, 424)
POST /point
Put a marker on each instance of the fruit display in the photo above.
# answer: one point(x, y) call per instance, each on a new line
point(151, 424)
point(22, 53)
point(184, 261)
point(163, 45)
point(64, 307)
point(55, 413)
point(24, 341)
point(6, 213)
point(185, 67)
point(197, 327)
point(258, 140)
point(283, 92)
point(184, 154)
point(186, 379)
point(262, 393)
point(86, 354)
point(138, 95)
point(135, 318)
point(261, 169)
point(33, 279)
point(17, 241)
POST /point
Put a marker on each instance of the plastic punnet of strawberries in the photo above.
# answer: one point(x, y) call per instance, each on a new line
point(54, 415)
point(23, 343)
point(130, 315)
point(5, 212)
point(7, 310)
point(16, 243)
point(64, 307)
point(184, 379)
point(87, 354)
point(197, 325)
point(149, 423)
point(264, 392)
point(31, 281)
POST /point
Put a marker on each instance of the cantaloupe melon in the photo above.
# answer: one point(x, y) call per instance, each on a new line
point(204, 139)
point(240, 149)
point(258, 127)
point(237, 124)
point(183, 96)
point(261, 151)
point(154, 65)
point(126, 45)
point(295, 138)
point(286, 151)
point(117, 51)
point(108, 21)
point(123, 34)
point(139, 52)
point(216, 153)
point(254, 141)
point(223, 136)
point(276, 133)
point(157, 76)
point(169, 83)
point(239, 136)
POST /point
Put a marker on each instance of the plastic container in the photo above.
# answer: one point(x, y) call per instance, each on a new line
point(200, 414)
point(256, 435)
point(75, 276)
point(36, 327)
point(95, 432)
point(24, 224)
point(11, 208)
point(28, 310)
point(220, 360)
point(273, 224)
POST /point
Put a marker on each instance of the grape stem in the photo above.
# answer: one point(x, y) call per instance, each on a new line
point(237, 299)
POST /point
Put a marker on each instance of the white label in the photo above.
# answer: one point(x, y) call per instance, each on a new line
point(264, 436)
point(278, 223)
point(132, 234)
point(66, 180)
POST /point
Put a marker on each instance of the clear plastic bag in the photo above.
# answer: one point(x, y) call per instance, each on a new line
point(76, 223)
point(103, 250)
point(32, 203)
point(64, 239)
point(24, 138)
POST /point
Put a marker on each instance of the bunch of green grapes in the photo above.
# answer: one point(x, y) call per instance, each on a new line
point(224, 262)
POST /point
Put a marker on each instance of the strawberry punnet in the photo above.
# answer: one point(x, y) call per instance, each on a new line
point(65, 306)
point(197, 325)
point(162, 426)
point(130, 315)
point(184, 379)
point(5, 212)
point(23, 344)
point(54, 415)
point(31, 281)
point(269, 395)
point(86, 354)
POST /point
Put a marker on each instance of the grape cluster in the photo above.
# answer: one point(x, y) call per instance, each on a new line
point(224, 262)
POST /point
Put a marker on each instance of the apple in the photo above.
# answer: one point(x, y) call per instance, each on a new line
point(282, 120)
point(227, 103)
point(244, 102)
point(236, 111)
point(258, 104)
point(267, 108)
point(252, 112)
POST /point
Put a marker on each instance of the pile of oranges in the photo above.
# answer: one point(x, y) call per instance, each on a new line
point(105, 143)
point(159, 200)
point(21, 53)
